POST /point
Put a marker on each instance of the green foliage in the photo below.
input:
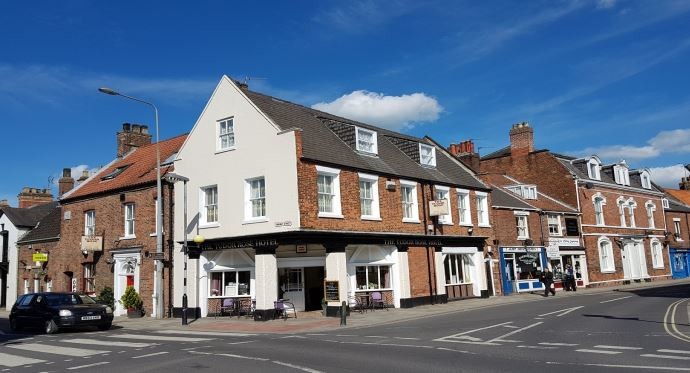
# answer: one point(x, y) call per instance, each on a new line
point(131, 299)
point(107, 297)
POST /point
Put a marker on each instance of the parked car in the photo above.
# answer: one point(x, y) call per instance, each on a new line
point(52, 311)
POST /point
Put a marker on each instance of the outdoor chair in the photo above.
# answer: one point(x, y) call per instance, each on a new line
point(227, 305)
point(377, 301)
point(283, 308)
point(355, 303)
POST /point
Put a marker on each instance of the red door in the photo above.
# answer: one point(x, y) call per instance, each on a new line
point(130, 280)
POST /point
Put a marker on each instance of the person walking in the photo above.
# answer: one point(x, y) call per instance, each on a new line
point(547, 280)
point(570, 283)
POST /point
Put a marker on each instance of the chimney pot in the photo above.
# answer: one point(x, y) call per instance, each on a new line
point(126, 127)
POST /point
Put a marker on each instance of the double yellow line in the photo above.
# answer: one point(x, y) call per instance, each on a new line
point(670, 321)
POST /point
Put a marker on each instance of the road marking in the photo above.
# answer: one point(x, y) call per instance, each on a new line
point(642, 367)
point(317, 334)
point(239, 343)
point(557, 344)
point(192, 332)
point(675, 351)
point(613, 300)
point(599, 351)
point(564, 311)
point(15, 361)
point(346, 335)
point(674, 357)
point(500, 338)
point(108, 343)
point(460, 351)
point(538, 347)
point(407, 338)
point(374, 336)
point(57, 350)
point(89, 365)
point(618, 347)
point(159, 338)
point(672, 330)
point(305, 369)
point(149, 355)
point(230, 355)
point(450, 337)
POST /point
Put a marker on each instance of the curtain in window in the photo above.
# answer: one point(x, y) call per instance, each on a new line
point(325, 191)
point(258, 197)
point(365, 197)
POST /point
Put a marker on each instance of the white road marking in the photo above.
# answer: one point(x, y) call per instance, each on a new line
point(192, 332)
point(240, 342)
point(89, 365)
point(159, 338)
point(613, 300)
point(451, 337)
point(108, 343)
point(305, 369)
point(539, 347)
point(15, 360)
point(346, 335)
point(317, 334)
point(500, 338)
point(460, 351)
point(674, 351)
point(149, 355)
point(599, 351)
point(674, 357)
point(230, 355)
point(57, 350)
point(618, 347)
point(642, 367)
point(564, 311)
point(407, 338)
point(539, 318)
point(374, 336)
point(558, 344)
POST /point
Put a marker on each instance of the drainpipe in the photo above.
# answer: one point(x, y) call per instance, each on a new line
point(426, 232)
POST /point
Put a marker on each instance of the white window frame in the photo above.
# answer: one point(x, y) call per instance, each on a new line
point(664, 203)
point(378, 277)
point(334, 173)
point(236, 273)
point(249, 201)
point(482, 209)
point(130, 220)
point(204, 207)
point(632, 205)
point(594, 169)
point(432, 160)
point(90, 217)
point(645, 180)
point(651, 208)
point(374, 146)
point(446, 219)
point(621, 175)
point(413, 204)
point(605, 248)
point(676, 228)
point(373, 180)
point(464, 209)
point(229, 134)
point(456, 265)
point(657, 254)
point(599, 202)
point(89, 278)
point(558, 225)
point(622, 205)
point(522, 224)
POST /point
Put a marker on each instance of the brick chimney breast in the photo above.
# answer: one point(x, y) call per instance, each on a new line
point(66, 182)
point(684, 183)
point(521, 139)
point(465, 153)
point(34, 196)
point(131, 137)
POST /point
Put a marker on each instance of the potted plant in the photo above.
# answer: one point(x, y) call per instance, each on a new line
point(106, 297)
point(132, 302)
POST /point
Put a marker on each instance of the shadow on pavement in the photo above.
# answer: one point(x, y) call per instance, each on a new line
point(671, 291)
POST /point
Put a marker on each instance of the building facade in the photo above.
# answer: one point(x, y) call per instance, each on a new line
point(677, 213)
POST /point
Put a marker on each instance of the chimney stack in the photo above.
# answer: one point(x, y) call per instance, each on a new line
point(34, 196)
point(4, 203)
point(132, 136)
point(464, 152)
point(521, 139)
point(66, 182)
point(684, 183)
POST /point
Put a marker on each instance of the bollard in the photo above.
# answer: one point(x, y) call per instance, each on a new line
point(184, 309)
point(343, 314)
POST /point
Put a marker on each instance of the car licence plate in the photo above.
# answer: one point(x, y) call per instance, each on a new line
point(90, 317)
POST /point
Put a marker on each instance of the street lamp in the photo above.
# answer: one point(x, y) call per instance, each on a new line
point(172, 177)
point(158, 297)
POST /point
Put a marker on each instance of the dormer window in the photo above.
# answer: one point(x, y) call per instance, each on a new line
point(366, 140)
point(645, 180)
point(664, 202)
point(427, 155)
point(524, 191)
point(621, 174)
point(593, 167)
point(113, 174)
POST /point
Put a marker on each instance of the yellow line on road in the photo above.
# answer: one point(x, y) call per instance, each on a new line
point(671, 327)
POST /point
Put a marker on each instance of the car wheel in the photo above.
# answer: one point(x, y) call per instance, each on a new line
point(105, 326)
point(14, 325)
point(51, 327)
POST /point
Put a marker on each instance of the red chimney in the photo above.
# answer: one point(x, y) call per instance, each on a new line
point(66, 182)
point(132, 136)
point(34, 196)
point(465, 153)
point(521, 139)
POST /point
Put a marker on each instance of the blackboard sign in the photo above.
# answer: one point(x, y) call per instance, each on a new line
point(331, 291)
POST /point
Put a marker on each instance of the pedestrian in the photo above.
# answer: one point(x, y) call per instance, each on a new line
point(547, 280)
point(570, 283)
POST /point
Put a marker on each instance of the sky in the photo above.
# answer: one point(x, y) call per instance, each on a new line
point(604, 77)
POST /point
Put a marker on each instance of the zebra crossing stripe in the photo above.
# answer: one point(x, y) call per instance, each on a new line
point(99, 342)
point(159, 338)
point(15, 361)
point(57, 350)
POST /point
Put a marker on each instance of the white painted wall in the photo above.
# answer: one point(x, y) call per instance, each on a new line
point(261, 150)
point(13, 257)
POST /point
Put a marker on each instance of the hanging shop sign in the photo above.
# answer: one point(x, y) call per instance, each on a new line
point(438, 207)
point(91, 243)
point(39, 257)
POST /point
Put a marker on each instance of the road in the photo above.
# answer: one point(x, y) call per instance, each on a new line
point(614, 331)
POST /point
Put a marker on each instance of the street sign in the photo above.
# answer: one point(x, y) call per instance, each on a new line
point(157, 256)
point(39, 257)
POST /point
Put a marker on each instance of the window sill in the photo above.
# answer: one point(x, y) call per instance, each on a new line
point(209, 225)
point(445, 223)
point(330, 216)
point(460, 283)
point(218, 151)
point(154, 234)
point(484, 225)
point(254, 221)
point(373, 218)
point(127, 238)
point(520, 238)
point(658, 267)
point(408, 220)
point(555, 235)
point(466, 224)
point(609, 271)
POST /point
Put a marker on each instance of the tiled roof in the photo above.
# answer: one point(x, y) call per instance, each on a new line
point(680, 195)
point(502, 198)
point(326, 138)
point(498, 153)
point(543, 202)
point(48, 228)
point(139, 168)
point(578, 167)
point(27, 217)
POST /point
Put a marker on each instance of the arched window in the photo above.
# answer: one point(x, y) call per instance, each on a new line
point(632, 205)
point(621, 210)
point(650, 207)
point(606, 255)
point(593, 167)
point(657, 254)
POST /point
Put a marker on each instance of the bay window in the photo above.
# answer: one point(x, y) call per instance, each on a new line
point(373, 277)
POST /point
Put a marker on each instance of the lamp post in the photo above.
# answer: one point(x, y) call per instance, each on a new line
point(158, 297)
point(172, 177)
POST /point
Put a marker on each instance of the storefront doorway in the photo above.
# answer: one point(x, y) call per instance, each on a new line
point(634, 261)
point(680, 263)
point(559, 265)
point(303, 286)
point(521, 268)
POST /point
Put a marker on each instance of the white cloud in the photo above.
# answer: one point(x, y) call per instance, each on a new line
point(392, 112)
point(606, 4)
point(669, 176)
point(673, 141)
point(77, 172)
point(358, 16)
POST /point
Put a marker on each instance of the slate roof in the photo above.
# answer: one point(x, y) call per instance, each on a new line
point(543, 202)
point(330, 139)
point(502, 198)
point(676, 206)
point(139, 169)
point(27, 217)
point(579, 168)
point(47, 229)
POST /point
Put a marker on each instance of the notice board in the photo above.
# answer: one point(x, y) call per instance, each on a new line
point(331, 291)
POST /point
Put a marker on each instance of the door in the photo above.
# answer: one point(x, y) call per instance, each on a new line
point(508, 271)
point(679, 264)
point(313, 288)
point(291, 286)
point(626, 255)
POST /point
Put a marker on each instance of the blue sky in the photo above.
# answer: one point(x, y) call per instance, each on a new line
point(605, 77)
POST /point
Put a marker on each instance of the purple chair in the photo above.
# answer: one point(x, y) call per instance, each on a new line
point(377, 300)
point(227, 304)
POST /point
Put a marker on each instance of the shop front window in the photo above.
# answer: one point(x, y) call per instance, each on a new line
point(528, 266)
point(457, 269)
point(230, 284)
point(373, 277)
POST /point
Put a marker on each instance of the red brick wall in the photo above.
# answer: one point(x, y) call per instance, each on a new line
point(684, 229)
point(25, 259)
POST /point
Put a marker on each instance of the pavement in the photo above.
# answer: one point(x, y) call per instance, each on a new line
point(311, 322)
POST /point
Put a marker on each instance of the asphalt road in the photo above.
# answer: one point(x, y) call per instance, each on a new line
point(644, 330)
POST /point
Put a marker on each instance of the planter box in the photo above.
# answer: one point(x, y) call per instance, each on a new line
point(135, 314)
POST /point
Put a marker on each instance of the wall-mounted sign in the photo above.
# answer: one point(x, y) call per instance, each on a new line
point(522, 249)
point(39, 257)
point(331, 290)
point(301, 249)
point(286, 223)
point(438, 207)
point(552, 252)
point(414, 242)
point(239, 244)
point(91, 243)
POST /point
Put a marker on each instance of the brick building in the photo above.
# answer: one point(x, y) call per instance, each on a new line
point(108, 223)
point(677, 213)
point(42, 239)
point(622, 219)
point(298, 197)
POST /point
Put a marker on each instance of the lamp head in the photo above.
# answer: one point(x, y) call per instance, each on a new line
point(199, 239)
point(108, 91)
